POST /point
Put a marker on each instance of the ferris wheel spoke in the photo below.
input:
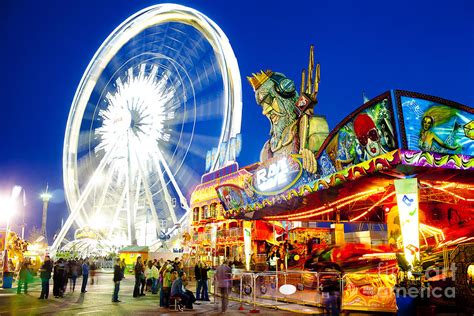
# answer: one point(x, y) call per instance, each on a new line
point(132, 237)
point(117, 212)
point(149, 197)
point(166, 193)
point(201, 143)
point(108, 180)
point(130, 220)
point(137, 197)
point(182, 199)
point(82, 199)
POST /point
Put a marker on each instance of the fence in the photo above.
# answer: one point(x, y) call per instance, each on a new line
point(312, 288)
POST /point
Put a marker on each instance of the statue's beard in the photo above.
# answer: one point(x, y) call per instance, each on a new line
point(277, 129)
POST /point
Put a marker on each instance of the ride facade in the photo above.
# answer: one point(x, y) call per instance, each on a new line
point(389, 189)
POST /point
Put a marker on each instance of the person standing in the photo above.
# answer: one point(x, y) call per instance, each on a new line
point(11, 266)
point(118, 276)
point(139, 278)
point(85, 275)
point(197, 276)
point(166, 286)
point(148, 275)
point(93, 269)
point(272, 260)
point(57, 278)
point(23, 276)
point(155, 274)
point(45, 274)
point(123, 266)
point(223, 280)
point(204, 279)
point(73, 273)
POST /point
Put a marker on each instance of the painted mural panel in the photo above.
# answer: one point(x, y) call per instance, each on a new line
point(368, 134)
point(435, 127)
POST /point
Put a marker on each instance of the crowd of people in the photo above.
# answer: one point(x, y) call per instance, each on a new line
point(166, 279)
point(63, 272)
point(170, 281)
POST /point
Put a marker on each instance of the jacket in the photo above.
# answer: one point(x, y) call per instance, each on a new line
point(117, 273)
point(46, 269)
point(223, 276)
point(177, 287)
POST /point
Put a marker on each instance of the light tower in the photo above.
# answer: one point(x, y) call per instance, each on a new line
point(45, 197)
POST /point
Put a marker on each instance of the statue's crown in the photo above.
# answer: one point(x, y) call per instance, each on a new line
point(256, 80)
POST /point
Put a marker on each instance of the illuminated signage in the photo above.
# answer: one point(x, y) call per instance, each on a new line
point(247, 242)
point(407, 201)
point(369, 292)
point(276, 175)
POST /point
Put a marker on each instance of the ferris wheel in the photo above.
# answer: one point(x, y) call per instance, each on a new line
point(162, 90)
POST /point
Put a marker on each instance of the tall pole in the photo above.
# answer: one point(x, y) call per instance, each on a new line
point(45, 197)
point(23, 215)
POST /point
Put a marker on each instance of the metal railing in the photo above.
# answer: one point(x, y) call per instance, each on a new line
point(312, 288)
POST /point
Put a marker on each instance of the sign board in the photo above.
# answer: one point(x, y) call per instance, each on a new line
point(369, 292)
point(276, 175)
point(408, 210)
point(436, 125)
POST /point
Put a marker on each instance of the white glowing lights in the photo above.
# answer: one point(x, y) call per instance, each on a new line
point(135, 118)
point(408, 211)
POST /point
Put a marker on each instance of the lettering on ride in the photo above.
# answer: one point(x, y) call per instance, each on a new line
point(272, 177)
point(276, 175)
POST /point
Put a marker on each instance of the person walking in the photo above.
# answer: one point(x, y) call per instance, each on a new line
point(85, 275)
point(45, 274)
point(118, 276)
point(224, 282)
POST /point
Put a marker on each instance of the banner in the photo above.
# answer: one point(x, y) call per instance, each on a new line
point(3, 235)
point(247, 242)
point(437, 126)
point(213, 236)
point(408, 210)
point(362, 136)
point(369, 292)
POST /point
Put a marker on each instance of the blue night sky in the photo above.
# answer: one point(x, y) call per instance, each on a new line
point(372, 46)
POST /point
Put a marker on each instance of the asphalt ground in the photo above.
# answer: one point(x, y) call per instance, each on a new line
point(98, 301)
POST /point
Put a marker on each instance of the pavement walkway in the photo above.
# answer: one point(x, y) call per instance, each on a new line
point(97, 301)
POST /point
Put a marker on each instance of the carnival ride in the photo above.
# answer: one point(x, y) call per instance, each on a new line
point(139, 121)
point(373, 170)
